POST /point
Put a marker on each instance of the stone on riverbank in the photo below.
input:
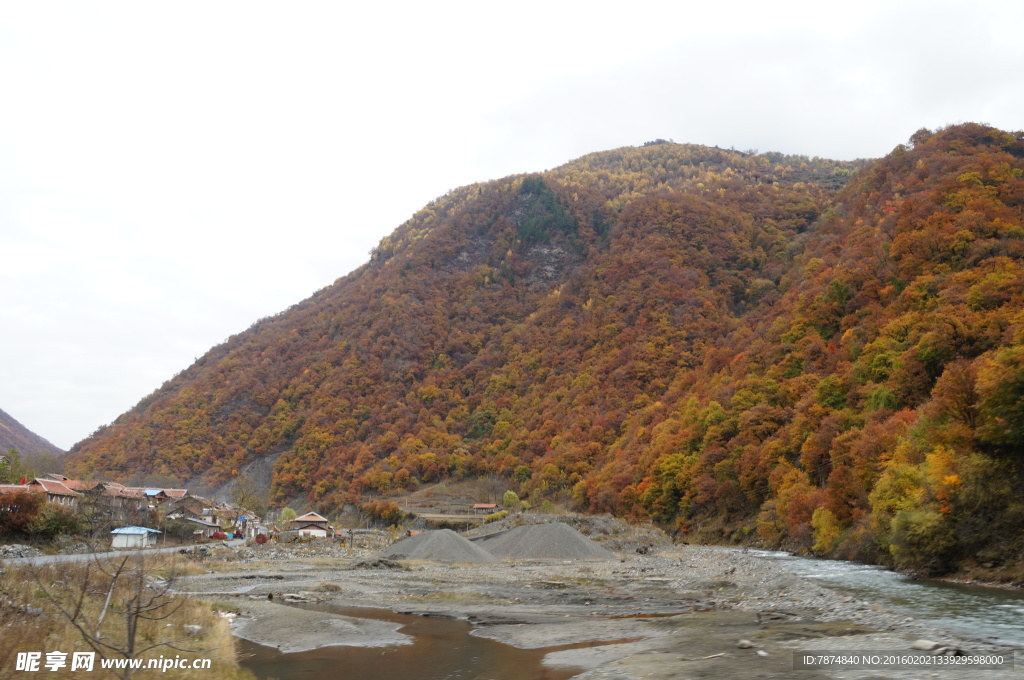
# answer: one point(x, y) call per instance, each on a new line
point(291, 629)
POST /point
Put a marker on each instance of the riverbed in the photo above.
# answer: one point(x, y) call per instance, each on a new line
point(681, 611)
point(438, 649)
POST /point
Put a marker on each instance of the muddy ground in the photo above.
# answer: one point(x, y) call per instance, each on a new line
point(679, 612)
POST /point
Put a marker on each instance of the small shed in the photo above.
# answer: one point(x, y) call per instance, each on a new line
point(134, 537)
point(204, 528)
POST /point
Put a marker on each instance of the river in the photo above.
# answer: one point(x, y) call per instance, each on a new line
point(974, 611)
point(443, 649)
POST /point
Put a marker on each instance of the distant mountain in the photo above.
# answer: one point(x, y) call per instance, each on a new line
point(823, 355)
point(14, 435)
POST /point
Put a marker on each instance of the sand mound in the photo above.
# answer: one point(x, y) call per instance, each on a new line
point(554, 541)
point(443, 545)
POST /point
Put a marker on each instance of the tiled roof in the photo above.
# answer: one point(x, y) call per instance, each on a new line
point(210, 525)
point(310, 517)
point(142, 492)
point(59, 485)
point(191, 502)
point(119, 491)
point(79, 485)
point(53, 487)
point(156, 491)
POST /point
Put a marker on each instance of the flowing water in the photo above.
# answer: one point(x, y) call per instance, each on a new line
point(442, 649)
point(975, 611)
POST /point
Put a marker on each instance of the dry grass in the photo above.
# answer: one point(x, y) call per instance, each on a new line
point(62, 608)
point(276, 564)
point(220, 567)
point(325, 587)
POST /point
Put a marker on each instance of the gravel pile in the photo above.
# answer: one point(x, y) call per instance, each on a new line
point(17, 550)
point(554, 541)
point(443, 545)
point(613, 533)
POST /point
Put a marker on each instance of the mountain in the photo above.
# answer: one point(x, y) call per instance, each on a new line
point(33, 455)
point(14, 435)
point(825, 355)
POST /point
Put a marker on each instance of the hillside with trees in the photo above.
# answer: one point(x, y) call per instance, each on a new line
point(24, 453)
point(821, 355)
point(14, 435)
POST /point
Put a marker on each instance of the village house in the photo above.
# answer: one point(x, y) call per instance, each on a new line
point(311, 524)
point(134, 537)
point(191, 506)
point(207, 513)
point(158, 496)
point(204, 528)
point(154, 497)
point(247, 523)
point(109, 500)
point(112, 496)
point(56, 491)
point(225, 514)
point(102, 504)
point(123, 498)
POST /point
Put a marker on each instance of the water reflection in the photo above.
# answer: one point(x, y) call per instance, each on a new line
point(442, 649)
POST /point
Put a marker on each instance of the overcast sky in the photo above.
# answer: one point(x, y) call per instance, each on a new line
point(171, 172)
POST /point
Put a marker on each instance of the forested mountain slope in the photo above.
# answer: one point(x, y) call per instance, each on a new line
point(714, 339)
point(14, 435)
point(877, 408)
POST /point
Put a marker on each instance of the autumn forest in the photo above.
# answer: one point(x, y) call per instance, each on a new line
point(754, 347)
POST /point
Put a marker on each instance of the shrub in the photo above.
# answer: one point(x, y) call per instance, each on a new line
point(495, 516)
point(180, 529)
point(922, 541)
point(17, 512)
point(827, 531)
point(54, 520)
point(882, 398)
point(384, 512)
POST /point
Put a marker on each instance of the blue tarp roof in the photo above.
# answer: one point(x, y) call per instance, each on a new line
point(135, 530)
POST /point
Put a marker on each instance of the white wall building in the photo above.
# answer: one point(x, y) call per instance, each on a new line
point(134, 537)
